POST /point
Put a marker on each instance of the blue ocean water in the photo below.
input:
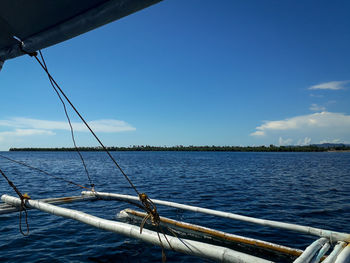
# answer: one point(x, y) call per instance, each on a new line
point(305, 188)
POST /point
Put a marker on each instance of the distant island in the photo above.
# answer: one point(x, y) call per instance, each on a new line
point(272, 148)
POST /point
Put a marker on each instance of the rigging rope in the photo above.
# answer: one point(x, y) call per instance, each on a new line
point(22, 206)
point(44, 172)
point(69, 122)
point(148, 205)
point(146, 202)
point(86, 124)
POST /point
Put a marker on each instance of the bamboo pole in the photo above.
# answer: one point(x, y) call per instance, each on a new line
point(336, 251)
point(311, 251)
point(332, 235)
point(321, 253)
point(207, 232)
point(185, 246)
point(344, 256)
point(6, 209)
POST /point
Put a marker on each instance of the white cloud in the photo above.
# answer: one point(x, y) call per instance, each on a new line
point(282, 142)
point(274, 125)
point(23, 132)
point(317, 126)
point(108, 126)
point(305, 141)
point(258, 133)
point(332, 85)
point(331, 141)
point(13, 131)
point(316, 120)
point(315, 107)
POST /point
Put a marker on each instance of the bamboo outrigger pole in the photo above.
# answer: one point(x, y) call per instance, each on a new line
point(186, 246)
point(331, 235)
point(336, 251)
point(212, 234)
point(6, 209)
point(314, 253)
point(311, 251)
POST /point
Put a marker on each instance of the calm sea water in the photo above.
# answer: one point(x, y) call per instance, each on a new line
point(305, 188)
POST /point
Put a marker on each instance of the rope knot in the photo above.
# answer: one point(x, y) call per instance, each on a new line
point(151, 210)
point(26, 196)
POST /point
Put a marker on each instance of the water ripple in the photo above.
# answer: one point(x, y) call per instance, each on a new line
point(304, 188)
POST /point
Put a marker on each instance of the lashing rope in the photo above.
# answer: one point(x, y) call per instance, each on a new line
point(22, 206)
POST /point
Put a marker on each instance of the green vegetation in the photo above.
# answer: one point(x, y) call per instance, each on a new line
point(271, 148)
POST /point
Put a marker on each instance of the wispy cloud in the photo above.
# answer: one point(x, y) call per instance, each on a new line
point(289, 141)
point(315, 107)
point(332, 85)
point(258, 133)
point(319, 125)
point(331, 141)
point(108, 125)
point(317, 95)
point(14, 130)
point(283, 142)
point(23, 133)
point(305, 141)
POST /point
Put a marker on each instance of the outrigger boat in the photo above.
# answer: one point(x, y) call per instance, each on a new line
point(21, 33)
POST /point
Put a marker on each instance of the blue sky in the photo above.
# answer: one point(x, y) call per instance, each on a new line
point(191, 72)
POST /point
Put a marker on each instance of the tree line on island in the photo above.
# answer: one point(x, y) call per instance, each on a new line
point(213, 148)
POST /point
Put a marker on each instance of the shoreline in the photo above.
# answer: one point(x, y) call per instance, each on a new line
point(180, 148)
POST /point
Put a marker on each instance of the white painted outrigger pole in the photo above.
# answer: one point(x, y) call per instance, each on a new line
point(6, 209)
point(186, 246)
point(336, 251)
point(344, 256)
point(311, 251)
point(331, 235)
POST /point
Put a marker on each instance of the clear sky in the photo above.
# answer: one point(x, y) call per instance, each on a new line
point(192, 72)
